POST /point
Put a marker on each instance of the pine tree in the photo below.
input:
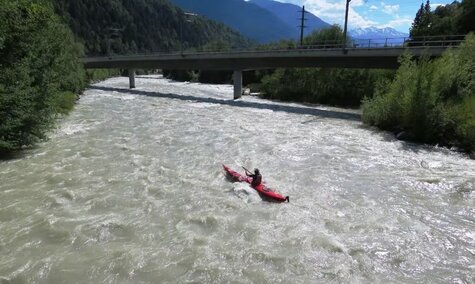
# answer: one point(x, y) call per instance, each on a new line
point(422, 21)
point(466, 22)
point(426, 17)
point(418, 19)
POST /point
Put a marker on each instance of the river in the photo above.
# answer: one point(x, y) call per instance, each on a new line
point(130, 189)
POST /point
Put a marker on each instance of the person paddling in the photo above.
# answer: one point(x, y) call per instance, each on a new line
point(256, 177)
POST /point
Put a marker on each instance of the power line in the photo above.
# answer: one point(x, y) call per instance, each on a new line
point(302, 22)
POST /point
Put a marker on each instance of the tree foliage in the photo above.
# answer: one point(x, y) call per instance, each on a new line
point(452, 19)
point(140, 26)
point(39, 72)
point(432, 100)
point(423, 21)
point(466, 18)
point(331, 36)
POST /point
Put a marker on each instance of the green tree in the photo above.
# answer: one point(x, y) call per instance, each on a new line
point(466, 20)
point(444, 20)
point(131, 26)
point(432, 100)
point(422, 21)
point(39, 72)
point(329, 36)
point(456, 18)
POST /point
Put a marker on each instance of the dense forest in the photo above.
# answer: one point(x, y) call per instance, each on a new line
point(131, 26)
point(40, 72)
point(457, 18)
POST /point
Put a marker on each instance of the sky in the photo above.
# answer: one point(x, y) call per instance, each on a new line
point(397, 14)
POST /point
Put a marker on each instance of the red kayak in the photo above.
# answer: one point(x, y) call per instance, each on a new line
point(261, 188)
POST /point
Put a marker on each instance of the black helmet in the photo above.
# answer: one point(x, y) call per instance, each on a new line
point(256, 171)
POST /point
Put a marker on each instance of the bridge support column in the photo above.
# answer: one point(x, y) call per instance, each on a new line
point(237, 77)
point(132, 78)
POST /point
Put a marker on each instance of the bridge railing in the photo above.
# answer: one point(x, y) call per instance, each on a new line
point(435, 41)
point(390, 42)
point(372, 43)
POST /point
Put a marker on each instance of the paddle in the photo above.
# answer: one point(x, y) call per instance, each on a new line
point(248, 171)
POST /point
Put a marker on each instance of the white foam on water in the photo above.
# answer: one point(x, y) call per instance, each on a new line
point(130, 188)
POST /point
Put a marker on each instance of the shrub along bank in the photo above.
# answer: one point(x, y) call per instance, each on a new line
point(339, 87)
point(40, 72)
point(431, 101)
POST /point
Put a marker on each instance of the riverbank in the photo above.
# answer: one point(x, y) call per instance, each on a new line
point(397, 133)
point(40, 73)
point(430, 101)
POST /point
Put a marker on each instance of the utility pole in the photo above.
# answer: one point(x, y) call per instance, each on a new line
point(346, 25)
point(302, 25)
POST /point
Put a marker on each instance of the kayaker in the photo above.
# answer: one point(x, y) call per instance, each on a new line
point(256, 177)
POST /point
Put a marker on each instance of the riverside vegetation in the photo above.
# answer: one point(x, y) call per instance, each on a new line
point(433, 101)
point(40, 72)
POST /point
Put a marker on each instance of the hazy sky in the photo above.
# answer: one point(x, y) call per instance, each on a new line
point(390, 13)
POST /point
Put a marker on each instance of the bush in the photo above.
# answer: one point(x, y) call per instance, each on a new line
point(64, 102)
point(95, 75)
point(326, 86)
point(464, 118)
point(432, 100)
point(39, 62)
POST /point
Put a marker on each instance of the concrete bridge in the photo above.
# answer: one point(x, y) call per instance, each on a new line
point(240, 60)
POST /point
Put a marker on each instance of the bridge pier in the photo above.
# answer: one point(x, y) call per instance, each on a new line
point(132, 78)
point(237, 78)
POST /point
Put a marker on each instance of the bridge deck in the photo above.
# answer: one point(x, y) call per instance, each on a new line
point(382, 58)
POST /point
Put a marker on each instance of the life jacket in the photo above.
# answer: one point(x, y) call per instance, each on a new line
point(256, 180)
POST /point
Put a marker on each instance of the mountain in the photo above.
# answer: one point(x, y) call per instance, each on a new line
point(249, 19)
point(373, 32)
point(131, 26)
point(375, 37)
point(291, 14)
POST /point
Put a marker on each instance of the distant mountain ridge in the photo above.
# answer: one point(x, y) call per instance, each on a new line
point(376, 37)
point(291, 14)
point(249, 19)
point(373, 32)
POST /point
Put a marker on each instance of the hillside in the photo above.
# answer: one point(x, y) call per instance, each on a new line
point(249, 19)
point(291, 14)
point(131, 26)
